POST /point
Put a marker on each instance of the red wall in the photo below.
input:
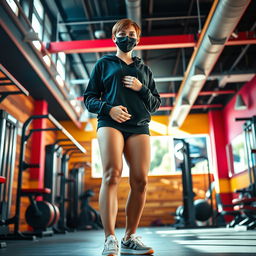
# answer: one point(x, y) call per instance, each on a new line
point(232, 128)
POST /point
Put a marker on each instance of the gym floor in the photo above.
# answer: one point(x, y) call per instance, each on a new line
point(165, 241)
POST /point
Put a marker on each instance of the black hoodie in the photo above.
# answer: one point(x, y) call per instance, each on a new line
point(106, 90)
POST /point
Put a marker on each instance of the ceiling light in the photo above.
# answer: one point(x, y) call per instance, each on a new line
point(47, 60)
point(234, 34)
point(240, 104)
point(100, 34)
point(37, 44)
point(59, 80)
point(73, 102)
point(78, 109)
point(198, 75)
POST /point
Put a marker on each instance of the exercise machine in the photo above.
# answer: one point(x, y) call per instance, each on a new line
point(75, 191)
point(57, 179)
point(44, 213)
point(8, 139)
point(192, 211)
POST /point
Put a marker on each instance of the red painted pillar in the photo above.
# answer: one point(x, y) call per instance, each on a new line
point(38, 144)
point(218, 142)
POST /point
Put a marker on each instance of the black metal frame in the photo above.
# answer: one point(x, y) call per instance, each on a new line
point(3, 95)
point(75, 191)
point(8, 140)
point(23, 166)
point(249, 128)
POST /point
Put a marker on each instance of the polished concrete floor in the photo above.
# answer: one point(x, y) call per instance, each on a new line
point(165, 241)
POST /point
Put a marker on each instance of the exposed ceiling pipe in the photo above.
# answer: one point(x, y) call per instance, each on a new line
point(90, 26)
point(133, 8)
point(221, 22)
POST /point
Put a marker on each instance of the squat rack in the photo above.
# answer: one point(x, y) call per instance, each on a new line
point(23, 165)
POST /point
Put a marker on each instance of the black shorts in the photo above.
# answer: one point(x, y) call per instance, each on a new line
point(125, 130)
point(126, 135)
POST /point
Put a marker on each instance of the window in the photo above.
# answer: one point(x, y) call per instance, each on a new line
point(237, 158)
point(96, 162)
point(37, 26)
point(39, 9)
point(25, 4)
point(13, 6)
point(61, 61)
point(199, 147)
point(47, 29)
point(163, 160)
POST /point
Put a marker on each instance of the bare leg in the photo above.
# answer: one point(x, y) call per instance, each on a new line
point(137, 154)
point(111, 145)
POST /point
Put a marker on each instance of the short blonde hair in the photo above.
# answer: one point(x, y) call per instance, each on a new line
point(125, 23)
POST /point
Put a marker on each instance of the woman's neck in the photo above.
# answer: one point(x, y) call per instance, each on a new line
point(125, 56)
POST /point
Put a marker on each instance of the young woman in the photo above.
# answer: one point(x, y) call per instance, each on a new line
point(122, 92)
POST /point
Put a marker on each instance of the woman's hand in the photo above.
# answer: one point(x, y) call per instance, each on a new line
point(119, 114)
point(132, 83)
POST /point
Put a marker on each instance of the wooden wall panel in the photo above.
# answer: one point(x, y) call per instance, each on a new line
point(164, 194)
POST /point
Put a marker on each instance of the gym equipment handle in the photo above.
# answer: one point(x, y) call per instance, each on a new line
point(15, 82)
point(65, 132)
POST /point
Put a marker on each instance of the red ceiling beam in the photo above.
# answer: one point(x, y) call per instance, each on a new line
point(165, 108)
point(241, 38)
point(107, 45)
point(146, 43)
point(202, 93)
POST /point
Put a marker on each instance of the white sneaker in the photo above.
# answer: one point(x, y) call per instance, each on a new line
point(135, 246)
point(111, 247)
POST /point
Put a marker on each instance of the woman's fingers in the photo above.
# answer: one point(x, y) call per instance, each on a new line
point(128, 80)
point(124, 108)
point(120, 114)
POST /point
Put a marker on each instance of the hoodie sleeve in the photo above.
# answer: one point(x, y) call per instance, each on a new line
point(149, 95)
point(92, 94)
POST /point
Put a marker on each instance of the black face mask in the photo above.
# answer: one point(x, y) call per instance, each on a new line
point(126, 43)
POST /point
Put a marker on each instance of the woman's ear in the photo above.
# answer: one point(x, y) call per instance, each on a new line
point(138, 40)
point(113, 38)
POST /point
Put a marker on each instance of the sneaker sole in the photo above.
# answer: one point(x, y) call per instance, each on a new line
point(134, 252)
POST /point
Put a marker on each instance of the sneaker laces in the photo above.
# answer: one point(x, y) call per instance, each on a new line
point(111, 243)
point(137, 239)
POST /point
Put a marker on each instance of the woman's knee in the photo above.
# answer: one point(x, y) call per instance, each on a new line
point(139, 184)
point(112, 176)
